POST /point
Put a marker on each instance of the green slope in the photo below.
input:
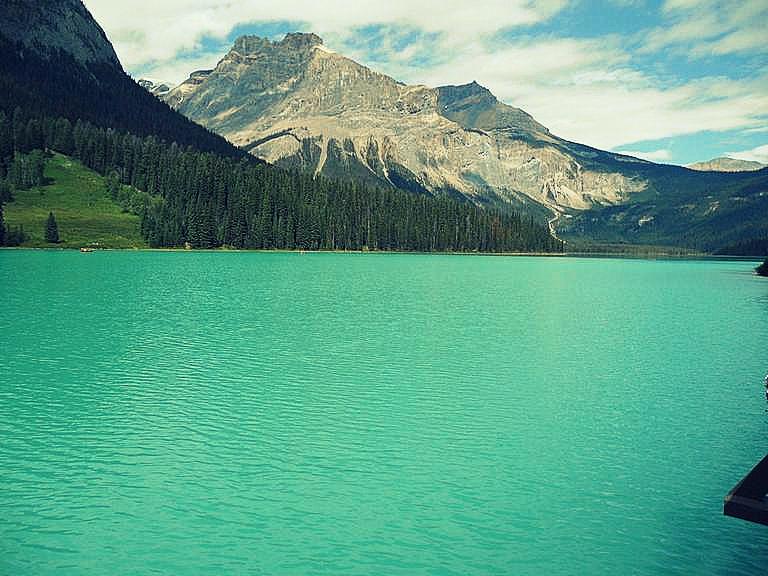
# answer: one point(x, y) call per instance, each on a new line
point(84, 211)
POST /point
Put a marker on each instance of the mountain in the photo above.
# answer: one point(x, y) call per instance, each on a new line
point(725, 164)
point(63, 90)
point(57, 61)
point(300, 105)
point(156, 88)
point(703, 210)
point(297, 104)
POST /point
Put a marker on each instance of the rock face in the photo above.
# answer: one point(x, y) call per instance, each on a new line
point(297, 104)
point(725, 164)
point(48, 26)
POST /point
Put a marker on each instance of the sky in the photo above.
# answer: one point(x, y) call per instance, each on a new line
point(673, 81)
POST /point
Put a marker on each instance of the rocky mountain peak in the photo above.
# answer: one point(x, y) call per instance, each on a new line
point(294, 41)
point(471, 90)
point(301, 40)
point(295, 103)
point(250, 44)
point(474, 106)
point(455, 99)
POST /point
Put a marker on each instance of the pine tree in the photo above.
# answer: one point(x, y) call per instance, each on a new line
point(5, 191)
point(51, 230)
point(2, 226)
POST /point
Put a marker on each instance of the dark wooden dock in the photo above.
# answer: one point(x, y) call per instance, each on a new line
point(748, 499)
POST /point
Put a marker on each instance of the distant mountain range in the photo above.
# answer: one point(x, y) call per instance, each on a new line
point(725, 164)
point(297, 104)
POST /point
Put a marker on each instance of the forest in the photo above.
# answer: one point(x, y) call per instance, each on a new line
point(205, 200)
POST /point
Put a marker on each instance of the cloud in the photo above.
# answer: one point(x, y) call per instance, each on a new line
point(759, 154)
point(176, 71)
point(597, 90)
point(662, 155)
point(586, 91)
point(704, 28)
point(745, 40)
point(144, 31)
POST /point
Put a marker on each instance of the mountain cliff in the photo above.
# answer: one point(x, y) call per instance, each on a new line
point(298, 104)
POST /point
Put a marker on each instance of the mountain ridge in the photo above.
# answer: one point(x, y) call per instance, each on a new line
point(295, 103)
point(62, 91)
point(57, 61)
point(726, 164)
point(48, 26)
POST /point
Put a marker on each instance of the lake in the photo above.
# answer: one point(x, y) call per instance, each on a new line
point(253, 413)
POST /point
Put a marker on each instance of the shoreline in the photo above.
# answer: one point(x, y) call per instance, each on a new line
point(606, 255)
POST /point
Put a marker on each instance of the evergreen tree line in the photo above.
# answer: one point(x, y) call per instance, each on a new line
point(750, 247)
point(24, 172)
point(207, 200)
point(18, 171)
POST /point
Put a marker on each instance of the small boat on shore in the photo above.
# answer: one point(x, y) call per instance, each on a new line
point(84, 249)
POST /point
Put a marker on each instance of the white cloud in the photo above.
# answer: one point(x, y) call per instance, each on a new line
point(147, 30)
point(759, 154)
point(176, 71)
point(745, 40)
point(703, 28)
point(672, 5)
point(585, 91)
point(662, 155)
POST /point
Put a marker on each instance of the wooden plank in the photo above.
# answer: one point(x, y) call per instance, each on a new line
point(748, 500)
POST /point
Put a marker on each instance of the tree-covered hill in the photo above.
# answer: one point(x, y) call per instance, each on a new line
point(184, 196)
point(62, 89)
point(703, 211)
point(49, 80)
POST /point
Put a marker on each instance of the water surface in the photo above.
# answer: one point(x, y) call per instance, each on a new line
point(243, 413)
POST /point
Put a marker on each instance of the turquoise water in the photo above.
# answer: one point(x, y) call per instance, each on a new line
point(242, 413)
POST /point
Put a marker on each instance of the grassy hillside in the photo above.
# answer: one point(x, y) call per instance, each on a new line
point(84, 211)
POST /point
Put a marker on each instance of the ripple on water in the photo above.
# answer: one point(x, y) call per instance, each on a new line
point(265, 413)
